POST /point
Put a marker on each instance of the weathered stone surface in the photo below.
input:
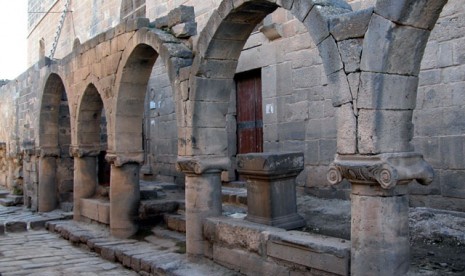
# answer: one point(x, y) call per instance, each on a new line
point(310, 250)
point(237, 233)
point(384, 131)
point(15, 226)
point(330, 56)
point(346, 129)
point(339, 86)
point(271, 192)
point(350, 25)
point(351, 51)
point(184, 30)
point(379, 235)
point(392, 48)
point(421, 14)
point(386, 91)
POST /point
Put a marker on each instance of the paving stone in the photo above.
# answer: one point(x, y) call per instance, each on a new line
point(15, 226)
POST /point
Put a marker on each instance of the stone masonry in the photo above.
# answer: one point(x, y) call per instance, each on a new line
point(342, 82)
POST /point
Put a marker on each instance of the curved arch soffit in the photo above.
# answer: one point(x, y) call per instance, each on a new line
point(88, 117)
point(50, 101)
point(132, 77)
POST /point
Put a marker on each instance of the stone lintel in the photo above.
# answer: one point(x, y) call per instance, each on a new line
point(84, 151)
point(48, 152)
point(387, 169)
point(202, 164)
point(121, 158)
point(270, 164)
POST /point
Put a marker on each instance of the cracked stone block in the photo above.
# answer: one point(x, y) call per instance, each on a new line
point(418, 13)
point(350, 25)
point(351, 52)
point(386, 91)
point(392, 48)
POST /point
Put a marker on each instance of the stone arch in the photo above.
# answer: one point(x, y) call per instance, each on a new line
point(54, 141)
point(393, 48)
point(218, 49)
point(89, 144)
point(125, 140)
point(132, 77)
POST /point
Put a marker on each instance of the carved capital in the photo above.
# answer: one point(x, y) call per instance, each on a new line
point(200, 165)
point(84, 151)
point(48, 152)
point(121, 158)
point(388, 169)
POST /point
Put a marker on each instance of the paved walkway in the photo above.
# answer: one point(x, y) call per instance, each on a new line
point(71, 248)
point(43, 253)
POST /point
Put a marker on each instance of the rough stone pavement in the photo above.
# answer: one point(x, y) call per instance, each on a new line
point(43, 253)
point(88, 249)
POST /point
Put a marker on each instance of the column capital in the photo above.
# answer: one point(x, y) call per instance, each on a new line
point(121, 158)
point(270, 164)
point(387, 169)
point(201, 164)
point(84, 150)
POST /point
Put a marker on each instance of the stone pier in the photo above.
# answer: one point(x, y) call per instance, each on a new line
point(47, 198)
point(379, 207)
point(124, 200)
point(271, 192)
point(203, 197)
point(85, 177)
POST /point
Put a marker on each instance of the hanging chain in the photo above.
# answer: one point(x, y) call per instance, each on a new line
point(58, 32)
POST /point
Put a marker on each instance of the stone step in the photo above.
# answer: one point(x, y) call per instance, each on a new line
point(154, 209)
point(175, 222)
point(4, 194)
point(143, 257)
point(11, 200)
point(232, 195)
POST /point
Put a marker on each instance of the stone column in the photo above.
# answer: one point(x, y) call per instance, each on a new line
point(48, 200)
point(124, 193)
point(203, 197)
point(85, 176)
point(379, 206)
point(271, 192)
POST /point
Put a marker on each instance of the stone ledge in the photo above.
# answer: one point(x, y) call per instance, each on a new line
point(96, 209)
point(311, 250)
point(235, 242)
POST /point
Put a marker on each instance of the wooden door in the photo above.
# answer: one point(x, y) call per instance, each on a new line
point(249, 112)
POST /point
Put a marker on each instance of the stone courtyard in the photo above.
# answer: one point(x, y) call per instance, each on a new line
point(237, 124)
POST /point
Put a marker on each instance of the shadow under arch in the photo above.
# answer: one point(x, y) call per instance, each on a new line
point(55, 164)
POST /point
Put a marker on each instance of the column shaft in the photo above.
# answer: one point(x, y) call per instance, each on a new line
point(124, 199)
point(379, 232)
point(47, 184)
point(85, 181)
point(203, 199)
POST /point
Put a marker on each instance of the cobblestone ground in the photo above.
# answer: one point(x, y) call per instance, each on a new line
point(44, 253)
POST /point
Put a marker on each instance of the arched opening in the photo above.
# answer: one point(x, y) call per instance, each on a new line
point(160, 129)
point(55, 165)
point(93, 171)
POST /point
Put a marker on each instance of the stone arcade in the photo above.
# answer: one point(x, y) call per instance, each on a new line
point(93, 100)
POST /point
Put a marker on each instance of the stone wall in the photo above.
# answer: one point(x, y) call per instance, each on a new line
point(85, 20)
point(440, 110)
point(298, 113)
